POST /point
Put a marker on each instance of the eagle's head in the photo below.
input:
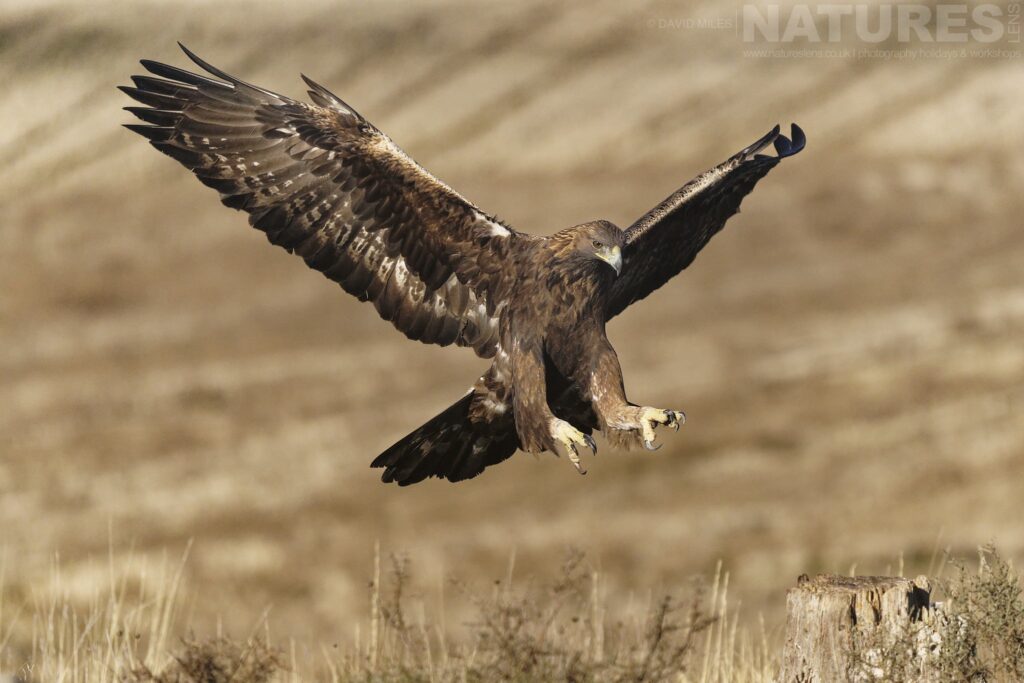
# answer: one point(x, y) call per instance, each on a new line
point(598, 240)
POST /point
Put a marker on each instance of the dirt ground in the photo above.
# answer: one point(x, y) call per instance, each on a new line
point(848, 351)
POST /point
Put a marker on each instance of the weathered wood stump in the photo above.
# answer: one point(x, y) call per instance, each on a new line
point(829, 617)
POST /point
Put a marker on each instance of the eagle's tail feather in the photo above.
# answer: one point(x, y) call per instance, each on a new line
point(451, 445)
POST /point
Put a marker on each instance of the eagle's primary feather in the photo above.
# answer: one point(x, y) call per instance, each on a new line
point(322, 182)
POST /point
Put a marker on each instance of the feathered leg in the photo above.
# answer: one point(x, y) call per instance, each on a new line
point(624, 423)
point(539, 429)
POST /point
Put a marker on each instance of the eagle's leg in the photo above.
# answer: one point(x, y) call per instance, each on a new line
point(538, 428)
point(623, 422)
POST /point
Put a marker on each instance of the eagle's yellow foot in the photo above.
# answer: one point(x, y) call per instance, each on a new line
point(639, 422)
point(652, 417)
point(569, 439)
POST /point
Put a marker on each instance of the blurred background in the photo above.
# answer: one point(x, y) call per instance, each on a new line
point(848, 351)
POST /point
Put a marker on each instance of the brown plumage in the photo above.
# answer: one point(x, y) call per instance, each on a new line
point(322, 182)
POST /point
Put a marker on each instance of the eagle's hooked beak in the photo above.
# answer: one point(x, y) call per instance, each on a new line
point(612, 256)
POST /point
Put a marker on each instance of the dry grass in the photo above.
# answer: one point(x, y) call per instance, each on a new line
point(127, 624)
point(520, 630)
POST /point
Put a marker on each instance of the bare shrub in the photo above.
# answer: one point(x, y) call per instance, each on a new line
point(988, 619)
point(975, 634)
point(553, 631)
point(215, 661)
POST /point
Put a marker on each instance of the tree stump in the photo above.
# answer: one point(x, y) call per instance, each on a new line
point(828, 616)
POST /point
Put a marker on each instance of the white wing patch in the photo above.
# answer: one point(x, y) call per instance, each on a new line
point(401, 273)
point(496, 407)
point(498, 230)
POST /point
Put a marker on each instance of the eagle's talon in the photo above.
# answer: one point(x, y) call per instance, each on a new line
point(675, 419)
point(649, 445)
point(568, 438)
point(574, 458)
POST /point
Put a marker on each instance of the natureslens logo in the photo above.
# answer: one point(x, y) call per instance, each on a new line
point(880, 23)
point(867, 30)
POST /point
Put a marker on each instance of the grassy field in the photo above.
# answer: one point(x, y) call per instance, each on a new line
point(564, 629)
point(848, 351)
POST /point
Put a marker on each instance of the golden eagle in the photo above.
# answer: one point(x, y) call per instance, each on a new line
point(322, 182)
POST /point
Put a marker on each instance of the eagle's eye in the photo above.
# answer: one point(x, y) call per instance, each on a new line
point(597, 245)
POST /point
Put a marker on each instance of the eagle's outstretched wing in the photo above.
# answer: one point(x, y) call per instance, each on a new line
point(324, 183)
point(667, 238)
